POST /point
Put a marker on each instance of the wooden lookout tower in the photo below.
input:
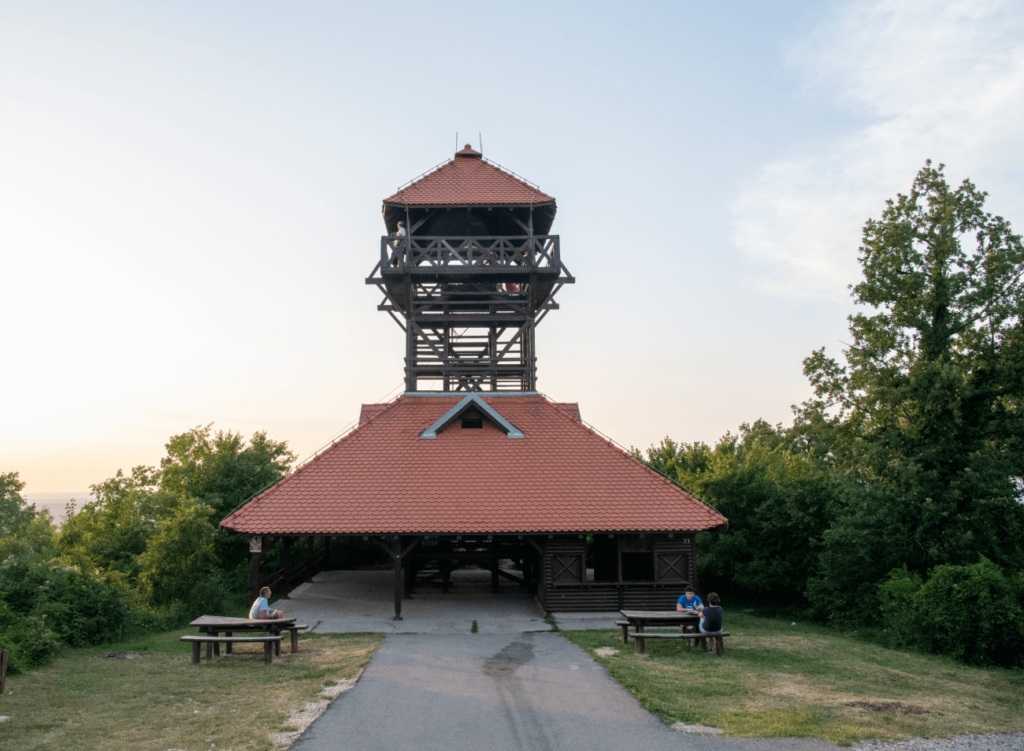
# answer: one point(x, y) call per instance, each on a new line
point(471, 465)
point(471, 277)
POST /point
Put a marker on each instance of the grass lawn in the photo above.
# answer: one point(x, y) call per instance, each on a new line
point(163, 701)
point(779, 680)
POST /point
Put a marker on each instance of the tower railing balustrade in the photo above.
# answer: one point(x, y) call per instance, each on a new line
point(494, 254)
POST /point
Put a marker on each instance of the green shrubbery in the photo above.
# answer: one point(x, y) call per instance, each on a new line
point(145, 554)
point(972, 613)
point(909, 458)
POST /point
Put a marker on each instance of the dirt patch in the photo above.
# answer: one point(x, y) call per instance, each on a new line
point(124, 655)
point(606, 651)
point(889, 707)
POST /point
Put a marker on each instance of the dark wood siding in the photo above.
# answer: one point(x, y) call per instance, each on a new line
point(565, 590)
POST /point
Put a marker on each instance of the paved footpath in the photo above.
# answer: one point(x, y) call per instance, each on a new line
point(467, 692)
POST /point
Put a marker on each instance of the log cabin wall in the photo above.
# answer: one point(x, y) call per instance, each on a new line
point(629, 571)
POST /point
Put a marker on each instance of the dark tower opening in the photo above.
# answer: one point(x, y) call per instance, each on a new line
point(472, 276)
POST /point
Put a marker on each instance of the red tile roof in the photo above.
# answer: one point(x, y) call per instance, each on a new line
point(369, 410)
point(469, 180)
point(382, 478)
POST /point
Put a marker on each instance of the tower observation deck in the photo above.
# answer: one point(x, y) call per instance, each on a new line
point(474, 274)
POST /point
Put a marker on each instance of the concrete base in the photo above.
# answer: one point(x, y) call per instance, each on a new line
point(351, 601)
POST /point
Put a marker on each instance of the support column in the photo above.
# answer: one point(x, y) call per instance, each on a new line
point(309, 558)
point(410, 578)
point(254, 577)
point(618, 555)
point(327, 553)
point(286, 566)
point(494, 568)
point(399, 584)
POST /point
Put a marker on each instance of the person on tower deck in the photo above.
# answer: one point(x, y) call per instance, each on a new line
point(400, 232)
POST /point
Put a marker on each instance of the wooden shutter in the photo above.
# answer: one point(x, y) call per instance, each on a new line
point(671, 567)
point(566, 568)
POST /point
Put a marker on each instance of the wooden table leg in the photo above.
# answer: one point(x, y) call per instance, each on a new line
point(268, 652)
point(227, 647)
point(209, 651)
point(638, 637)
point(277, 644)
point(625, 634)
point(195, 652)
point(295, 640)
point(216, 644)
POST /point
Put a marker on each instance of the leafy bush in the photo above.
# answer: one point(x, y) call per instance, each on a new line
point(972, 613)
point(78, 608)
point(26, 638)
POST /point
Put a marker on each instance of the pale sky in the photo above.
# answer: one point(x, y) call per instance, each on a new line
point(190, 199)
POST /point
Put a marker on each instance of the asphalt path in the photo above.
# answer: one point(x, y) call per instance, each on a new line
point(500, 692)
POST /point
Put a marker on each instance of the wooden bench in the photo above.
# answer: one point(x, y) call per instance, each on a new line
point(296, 631)
point(268, 644)
point(716, 639)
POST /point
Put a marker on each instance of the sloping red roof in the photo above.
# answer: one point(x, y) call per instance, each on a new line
point(382, 478)
point(369, 410)
point(468, 180)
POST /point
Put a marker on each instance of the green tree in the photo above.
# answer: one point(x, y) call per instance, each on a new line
point(221, 469)
point(14, 509)
point(778, 501)
point(925, 415)
point(179, 559)
point(110, 532)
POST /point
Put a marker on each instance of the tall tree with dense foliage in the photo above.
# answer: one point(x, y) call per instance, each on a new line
point(925, 415)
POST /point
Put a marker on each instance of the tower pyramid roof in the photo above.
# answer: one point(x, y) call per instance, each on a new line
point(469, 180)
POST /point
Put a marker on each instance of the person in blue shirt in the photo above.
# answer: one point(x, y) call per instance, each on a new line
point(689, 601)
point(260, 609)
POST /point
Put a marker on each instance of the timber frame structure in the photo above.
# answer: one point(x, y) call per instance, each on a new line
point(552, 568)
point(474, 275)
point(472, 466)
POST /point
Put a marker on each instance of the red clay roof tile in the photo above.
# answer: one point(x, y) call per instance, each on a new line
point(469, 180)
point(383, 479)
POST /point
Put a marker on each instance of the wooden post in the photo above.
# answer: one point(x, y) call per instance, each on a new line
point(410, 579)
point(618, 555)
point(286, 567)
point(3, 669)
point(309, 558)
point(399, 584)
point(254, 576)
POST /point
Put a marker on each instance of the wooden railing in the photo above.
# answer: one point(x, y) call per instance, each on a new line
point(491, 253)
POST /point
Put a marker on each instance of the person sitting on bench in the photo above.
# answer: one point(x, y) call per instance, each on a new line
point(689, 601)
point(260, 609)
point(711, 616)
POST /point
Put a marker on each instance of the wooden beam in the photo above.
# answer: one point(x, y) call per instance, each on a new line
point(254, 576)
point(399, 584)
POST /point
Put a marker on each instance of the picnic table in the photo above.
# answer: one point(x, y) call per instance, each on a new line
point(214, 625)
point(640, 619)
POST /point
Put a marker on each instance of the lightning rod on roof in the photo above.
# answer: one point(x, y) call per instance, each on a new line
point(456, 140)
point(481, 135)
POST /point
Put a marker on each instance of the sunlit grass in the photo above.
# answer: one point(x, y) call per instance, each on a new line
point(778, 680)
point(163, 701)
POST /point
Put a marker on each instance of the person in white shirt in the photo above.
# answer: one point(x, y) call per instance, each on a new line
point(260, 609)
